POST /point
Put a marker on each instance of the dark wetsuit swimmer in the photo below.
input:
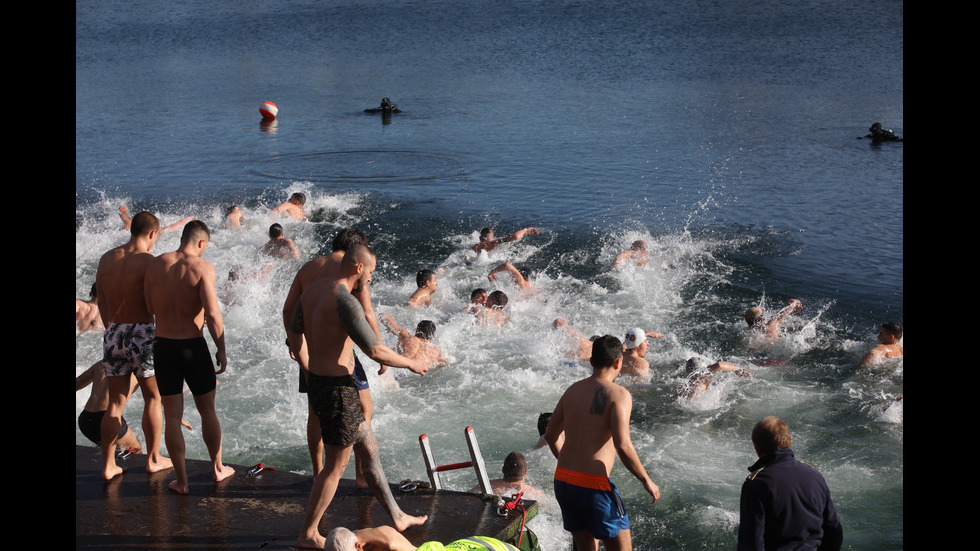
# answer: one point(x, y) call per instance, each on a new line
point(386, 107)
point(880, 134)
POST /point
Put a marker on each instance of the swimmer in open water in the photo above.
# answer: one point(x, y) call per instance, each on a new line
point(386, 107)
point(890, 337)
point(419, 345)
point(761, 333)
point(427, 284)
point(489, 242)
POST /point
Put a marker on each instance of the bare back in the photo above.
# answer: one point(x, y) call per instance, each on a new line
point(119, 285)
point(178, 289)
point(330, 346)
point(589, 412)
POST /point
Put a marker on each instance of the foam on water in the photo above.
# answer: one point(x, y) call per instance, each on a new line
point(500, 378)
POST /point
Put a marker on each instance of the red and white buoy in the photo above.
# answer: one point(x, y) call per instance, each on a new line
point(268, 110)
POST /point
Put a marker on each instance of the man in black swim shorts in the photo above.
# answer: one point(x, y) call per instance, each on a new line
point(180, 293)
point(328, 267)
point(333, 320)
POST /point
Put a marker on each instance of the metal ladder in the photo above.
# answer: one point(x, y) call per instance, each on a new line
point(476, 461)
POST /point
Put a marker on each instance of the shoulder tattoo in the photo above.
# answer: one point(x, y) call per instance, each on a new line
point(599, 401)
point(355, 322)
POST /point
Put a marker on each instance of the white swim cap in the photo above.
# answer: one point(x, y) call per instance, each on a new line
point(634, 337)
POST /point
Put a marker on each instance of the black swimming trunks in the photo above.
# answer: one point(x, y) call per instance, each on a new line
point(180, 360)
point(90, 423)
point(338, 406)
point(360, 378)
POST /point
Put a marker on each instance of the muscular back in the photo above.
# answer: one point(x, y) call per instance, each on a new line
point(178, 288)
point(330, 346)
point(590, 410)
point(119, 284)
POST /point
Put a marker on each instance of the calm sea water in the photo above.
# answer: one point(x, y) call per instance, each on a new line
point(724, 133)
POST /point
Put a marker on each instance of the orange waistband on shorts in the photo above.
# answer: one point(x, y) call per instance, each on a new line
point(594, 481)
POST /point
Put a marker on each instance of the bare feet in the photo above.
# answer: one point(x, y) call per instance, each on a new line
point(181, 489)
point(223, 472)
point(318, 542)
point(111, 472)
point(406, 521)
point(160, 463)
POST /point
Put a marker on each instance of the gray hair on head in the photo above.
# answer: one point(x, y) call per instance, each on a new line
point(340, 539)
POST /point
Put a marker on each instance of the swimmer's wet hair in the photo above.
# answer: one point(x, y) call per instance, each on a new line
point(425, 330)
point(423, 277)
point(497, 298)
point(894, 328)
point(275, 230)
point(347, 238)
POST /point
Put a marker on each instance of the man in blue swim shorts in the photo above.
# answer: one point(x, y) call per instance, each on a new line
point(594, 415)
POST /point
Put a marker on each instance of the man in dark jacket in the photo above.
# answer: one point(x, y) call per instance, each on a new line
point(785, 503)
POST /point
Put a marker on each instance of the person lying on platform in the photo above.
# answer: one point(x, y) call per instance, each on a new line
point(386, 538)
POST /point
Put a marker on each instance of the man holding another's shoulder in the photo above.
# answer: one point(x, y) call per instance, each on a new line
point(594, 415)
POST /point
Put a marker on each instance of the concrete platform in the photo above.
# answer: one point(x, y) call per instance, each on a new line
point(136, 510)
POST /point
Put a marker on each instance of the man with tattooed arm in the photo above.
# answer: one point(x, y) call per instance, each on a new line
point(594, 415)
point(333, 320)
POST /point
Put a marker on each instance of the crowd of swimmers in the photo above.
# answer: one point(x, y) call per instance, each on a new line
point(159, 307)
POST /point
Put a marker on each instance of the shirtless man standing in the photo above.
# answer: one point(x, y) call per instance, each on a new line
point(635, 353)
point(594, 414)
point(127, 341)
point(180, 293)
point(890, 338)
point(333, 321)
point(314, 270)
